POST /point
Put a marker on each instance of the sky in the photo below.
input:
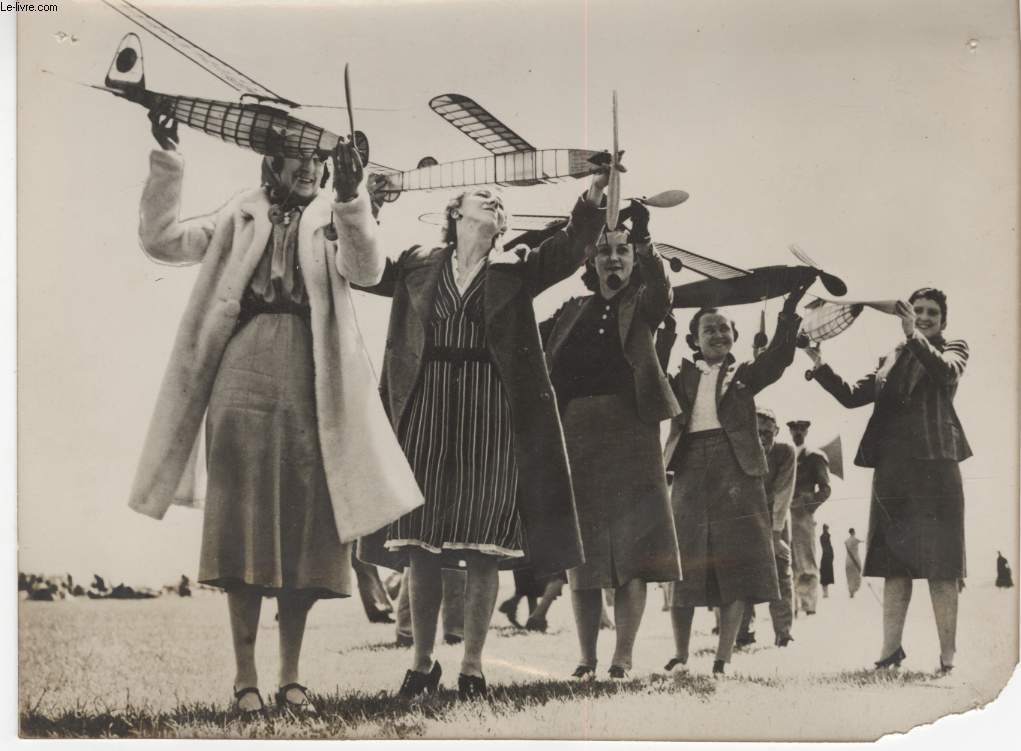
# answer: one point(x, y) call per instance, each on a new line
point(881, 138)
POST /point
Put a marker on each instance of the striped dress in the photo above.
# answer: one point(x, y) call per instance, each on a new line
point(458, 437)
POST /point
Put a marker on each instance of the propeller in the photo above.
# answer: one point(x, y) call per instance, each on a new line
point(665, 200)
point(833, 285)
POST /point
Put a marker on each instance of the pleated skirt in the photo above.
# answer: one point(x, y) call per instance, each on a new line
point(627, 528)
point(916, 520)
point(723, 528)
point(268, 519)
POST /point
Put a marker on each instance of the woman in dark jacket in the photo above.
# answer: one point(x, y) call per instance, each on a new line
point(724, 529)
point(914, 440)
point(613, 395)
point(826, 561)
point(465, 385)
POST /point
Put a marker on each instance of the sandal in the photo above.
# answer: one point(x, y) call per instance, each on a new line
point(241, 693)
point(305, 706)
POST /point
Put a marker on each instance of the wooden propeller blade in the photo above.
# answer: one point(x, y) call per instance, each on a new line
point(665, 200)
point(613, 188)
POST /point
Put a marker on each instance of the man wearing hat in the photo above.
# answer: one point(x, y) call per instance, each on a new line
point(811, 489)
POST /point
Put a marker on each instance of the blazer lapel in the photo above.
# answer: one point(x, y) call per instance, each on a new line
point(690, 376)
point(565, 325)
point(422, 281)
point(501, 285)
point(626, 313)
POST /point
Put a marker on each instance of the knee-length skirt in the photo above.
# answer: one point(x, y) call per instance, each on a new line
point(268, 519)
point(627, 528)
point(916, 519)
point(723, 527)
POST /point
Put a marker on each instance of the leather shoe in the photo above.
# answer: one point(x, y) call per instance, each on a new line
point(416, 683)
point(893, 661)
point(471, 687)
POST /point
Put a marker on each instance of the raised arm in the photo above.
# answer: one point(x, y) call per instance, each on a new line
point(562, 254)
point(655, 296)
point(774, 359)
point(946, 366)
point(358, 257)
point(163, 235)
point(861, 393)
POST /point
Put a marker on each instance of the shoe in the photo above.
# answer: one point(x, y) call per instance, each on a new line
point(536, 624)
point(380, 616)
point(305, 706)
point(471, 687)
point(809, 612)
point(617, 673)
point(405, 641)
point(943, 667)
point(510, 609)
point(452, 639)
point(893, 661)
point(241, 693)
point(416, 683)
point(744, 640)
point(719, 668)
point(584, 673)
point(783, 640)
point(675, 662)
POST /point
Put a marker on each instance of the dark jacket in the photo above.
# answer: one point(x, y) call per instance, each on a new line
point(641, 309)
point(545, 497)
point(918, 401)
point(736, 407)
point(812, 482)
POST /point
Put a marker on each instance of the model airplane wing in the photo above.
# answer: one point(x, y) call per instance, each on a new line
point(707, 267)
point(476, 122)
point(206, 60)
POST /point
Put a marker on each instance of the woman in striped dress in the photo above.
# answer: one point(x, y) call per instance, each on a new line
point(468, 394)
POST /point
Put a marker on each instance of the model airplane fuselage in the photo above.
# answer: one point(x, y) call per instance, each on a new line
point(273, 130)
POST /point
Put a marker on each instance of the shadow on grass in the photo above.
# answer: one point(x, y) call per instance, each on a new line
point(340, 715)
point(869, 677)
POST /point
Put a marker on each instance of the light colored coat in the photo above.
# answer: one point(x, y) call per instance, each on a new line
point(368, 477)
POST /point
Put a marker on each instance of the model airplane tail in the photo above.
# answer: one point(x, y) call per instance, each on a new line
point(259, 127)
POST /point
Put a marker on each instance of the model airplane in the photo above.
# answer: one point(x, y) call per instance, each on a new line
point(535, 228)
point(729, 285)
point(265, 126)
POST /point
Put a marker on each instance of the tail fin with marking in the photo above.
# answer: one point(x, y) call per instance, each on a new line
point(127, 73)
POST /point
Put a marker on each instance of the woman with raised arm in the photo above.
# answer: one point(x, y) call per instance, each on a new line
point(301, 459)
point(914, 441)
point(465, 384)
point(613, 395)
point(724, 528)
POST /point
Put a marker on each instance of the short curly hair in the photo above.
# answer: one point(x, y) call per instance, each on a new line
point(938, 296)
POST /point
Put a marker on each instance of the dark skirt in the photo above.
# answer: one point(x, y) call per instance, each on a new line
point(268, 519)
point(826, 563)
point(916, 521)
point(620, 491)
point(723, 527)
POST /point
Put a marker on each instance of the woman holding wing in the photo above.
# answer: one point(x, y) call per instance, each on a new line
point(914, 440)
point(300, 458)
point(465, 385)
point(613, 395)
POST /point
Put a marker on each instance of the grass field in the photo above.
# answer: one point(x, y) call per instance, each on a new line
point(163, 668)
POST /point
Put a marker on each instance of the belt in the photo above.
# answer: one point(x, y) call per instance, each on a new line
point(701, 435)
point(456, 354)
point(252, 307)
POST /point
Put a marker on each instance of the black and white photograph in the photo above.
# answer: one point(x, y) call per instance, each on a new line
point(489, 370)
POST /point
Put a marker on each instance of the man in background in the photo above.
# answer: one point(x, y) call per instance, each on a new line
point(811, 489)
